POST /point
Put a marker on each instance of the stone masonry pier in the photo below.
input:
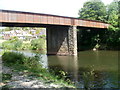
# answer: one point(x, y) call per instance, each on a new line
point(62, 40)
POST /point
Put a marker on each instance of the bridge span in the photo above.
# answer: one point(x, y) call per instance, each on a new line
point(61, 30)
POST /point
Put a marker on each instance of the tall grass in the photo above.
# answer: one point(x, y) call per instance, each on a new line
point(32, 65)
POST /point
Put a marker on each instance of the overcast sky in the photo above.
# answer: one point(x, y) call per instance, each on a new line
point(56, 7)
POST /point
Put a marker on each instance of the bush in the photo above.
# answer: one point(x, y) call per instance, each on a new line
point(25, 46)
point(13, 44)
point(38, 44)
point(17, 45)
point(13, 57)
point(7, 45)
point(6, 77)
point(31, 63)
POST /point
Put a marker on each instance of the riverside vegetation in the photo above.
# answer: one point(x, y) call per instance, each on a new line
point(31, 65)
point(101, 39)
point(17, 44)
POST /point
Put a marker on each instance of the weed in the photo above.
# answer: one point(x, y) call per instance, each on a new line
point(6, 77)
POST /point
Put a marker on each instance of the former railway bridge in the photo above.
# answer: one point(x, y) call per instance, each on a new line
point(61, 31)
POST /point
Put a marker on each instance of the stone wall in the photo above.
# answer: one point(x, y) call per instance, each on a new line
point(72, 35)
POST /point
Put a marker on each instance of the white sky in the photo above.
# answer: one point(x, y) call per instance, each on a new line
point(56, 7)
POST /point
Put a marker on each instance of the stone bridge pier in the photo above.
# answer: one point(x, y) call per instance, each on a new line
point(62, 40)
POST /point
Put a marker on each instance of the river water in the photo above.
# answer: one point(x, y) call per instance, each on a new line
point(96, 69)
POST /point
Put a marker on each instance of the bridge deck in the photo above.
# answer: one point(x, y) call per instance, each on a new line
point(7, 16)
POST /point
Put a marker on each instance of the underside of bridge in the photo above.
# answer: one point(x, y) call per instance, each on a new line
point(88, 38)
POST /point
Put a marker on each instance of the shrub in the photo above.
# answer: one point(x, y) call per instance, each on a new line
point(25, 46)
point(17, 45)
point(31, 63)
point(38, 44)
point(13, 57)
point(13, 43)
point(7, 45)
point(6, 77)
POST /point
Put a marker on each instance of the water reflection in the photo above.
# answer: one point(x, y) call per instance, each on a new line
point(96, 69)
point(69, 64)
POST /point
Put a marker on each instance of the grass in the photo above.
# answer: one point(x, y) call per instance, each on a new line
point(32, 67)
point(48, 77)
point(6, 77)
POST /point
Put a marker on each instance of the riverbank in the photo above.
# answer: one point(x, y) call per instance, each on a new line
point(24, 79)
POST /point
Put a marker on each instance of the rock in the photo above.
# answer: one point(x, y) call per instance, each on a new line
point(53, 85)
point(6, 70)
point(2, 84)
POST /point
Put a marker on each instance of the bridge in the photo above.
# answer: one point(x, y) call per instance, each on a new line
point(61, 31)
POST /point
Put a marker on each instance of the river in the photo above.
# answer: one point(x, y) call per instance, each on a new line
point(102, 64)
point(96, 69)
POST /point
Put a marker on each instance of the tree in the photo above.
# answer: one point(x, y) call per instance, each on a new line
point(113, 12)
point(113, 39)
point(96, 10)
point(93, 10)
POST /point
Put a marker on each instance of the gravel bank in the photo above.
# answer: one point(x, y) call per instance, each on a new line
point(21, 80)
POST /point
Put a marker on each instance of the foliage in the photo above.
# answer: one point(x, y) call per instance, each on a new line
point(32, 66)
point(38, 44)
point(113, 13)
point(37, 31)
point(13, 57)
point(92, 78)
point(12, 44)
point(16, 44)
point(6, 77)
point(113, 39)
point(88, 82)
point(93, 10)
point(26, 46)
point(96, 10)
point(31, 63)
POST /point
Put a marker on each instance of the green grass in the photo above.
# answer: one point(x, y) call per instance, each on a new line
point(32, 67)
point(6, 77)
